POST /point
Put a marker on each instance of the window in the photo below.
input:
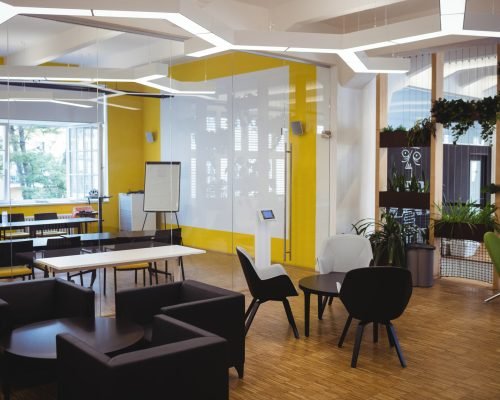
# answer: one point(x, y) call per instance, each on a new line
point(49, 162)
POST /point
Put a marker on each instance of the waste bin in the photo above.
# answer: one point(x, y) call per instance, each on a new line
point(420, 262)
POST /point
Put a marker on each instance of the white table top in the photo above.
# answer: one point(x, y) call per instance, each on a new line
point(83, 262)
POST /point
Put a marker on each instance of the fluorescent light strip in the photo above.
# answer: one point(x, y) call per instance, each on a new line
point(214, 39)
point(258, 48)
point(6, 12)
point(117, 105)
point(128, 14)
point(207, 52)
point(311, 50)
point(185, 23)
point(28, 100)
point(68, 103)
point(54, 11)
point(452, 6)
point(452, 23)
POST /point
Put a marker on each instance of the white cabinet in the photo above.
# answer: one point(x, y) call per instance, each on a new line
point(131, 213)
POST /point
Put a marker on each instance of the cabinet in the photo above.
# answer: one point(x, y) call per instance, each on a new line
point(131, 214)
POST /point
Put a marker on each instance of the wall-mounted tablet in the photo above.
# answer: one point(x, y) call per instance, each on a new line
point(267, 215)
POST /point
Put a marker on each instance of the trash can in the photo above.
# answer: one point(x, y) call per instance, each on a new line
point(420, 262)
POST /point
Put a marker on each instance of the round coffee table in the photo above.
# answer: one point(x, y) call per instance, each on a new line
point(325, 286)
point(106, 335)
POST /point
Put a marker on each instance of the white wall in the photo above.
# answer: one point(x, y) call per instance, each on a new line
point(355, 158)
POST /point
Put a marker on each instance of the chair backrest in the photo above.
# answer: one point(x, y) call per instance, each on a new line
point(492, 243)
point(8, 251)
point(44, 216)
point(171, 236)
point(63, 243)
point(18, 217)
point(249, 270)
point(376, 293)
point(341, 253)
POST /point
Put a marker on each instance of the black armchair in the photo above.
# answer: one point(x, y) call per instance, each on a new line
point(270, 283)
point(214, 309)
point(378, 295)
point(184, 362)
point(23, 303)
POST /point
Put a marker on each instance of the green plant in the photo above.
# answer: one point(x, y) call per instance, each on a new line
point(460, 115)
point(388, 238)
point(397, 183)
point(468, 213)
point(388, 128)
point(491, 188)
point(420, 133)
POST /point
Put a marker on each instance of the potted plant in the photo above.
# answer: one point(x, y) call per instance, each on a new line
point(405, 194)
point(465, 221)
point(419, 135)
point(388, 238)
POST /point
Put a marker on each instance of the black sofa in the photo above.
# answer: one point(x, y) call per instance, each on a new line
point(183, 362)
point(211, 308)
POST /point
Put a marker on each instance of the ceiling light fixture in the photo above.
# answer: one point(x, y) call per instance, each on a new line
point(207, 52)
point(54, 11)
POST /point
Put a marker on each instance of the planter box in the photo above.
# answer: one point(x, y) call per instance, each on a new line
point(397, 139)
point(405, 200)
point(460, 230)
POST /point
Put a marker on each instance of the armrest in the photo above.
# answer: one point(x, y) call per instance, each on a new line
point(73, 300)
point(140, 305)
point(169, 330)
point(77, 362)
point(5, 320)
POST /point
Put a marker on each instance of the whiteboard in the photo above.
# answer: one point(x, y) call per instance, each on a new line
point(162, 186)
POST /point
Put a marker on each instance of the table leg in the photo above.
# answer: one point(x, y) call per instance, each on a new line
point(322, 301)
point(307, 304)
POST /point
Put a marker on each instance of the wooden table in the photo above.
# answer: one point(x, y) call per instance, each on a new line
point(325, 286)
point(106, 335)
point(33, 226)
point(84, 262)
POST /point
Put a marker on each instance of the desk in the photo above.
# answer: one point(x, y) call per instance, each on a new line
point(38, 340)
point(323, 285)
point(69, 223)
point(84, 262)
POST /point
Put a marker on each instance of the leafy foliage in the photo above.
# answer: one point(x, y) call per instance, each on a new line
point(460, 115)
point(388, 238)
point(468, 213)
point(420, 133)
point(397, 183)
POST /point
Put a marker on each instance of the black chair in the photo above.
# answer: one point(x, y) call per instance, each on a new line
point(51, 230)
point(171, 237)
point(184, 362)
point(23, 303)
point(375, 295)
point(10, 265)
point(208, 307)
point(270, 283)
point(16, 233)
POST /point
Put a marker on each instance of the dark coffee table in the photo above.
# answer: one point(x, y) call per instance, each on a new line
point(323, 285)
point(106, 335)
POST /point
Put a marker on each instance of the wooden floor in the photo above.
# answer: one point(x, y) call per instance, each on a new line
point(450, 338)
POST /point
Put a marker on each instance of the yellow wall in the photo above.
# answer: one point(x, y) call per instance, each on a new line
point(151, 123)
point(303, 108)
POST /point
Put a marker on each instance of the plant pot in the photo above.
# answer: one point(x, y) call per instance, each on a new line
point(405, 200)
point(398, 139)
point(460, 230)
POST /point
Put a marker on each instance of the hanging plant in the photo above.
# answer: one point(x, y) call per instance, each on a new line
point(460, 115)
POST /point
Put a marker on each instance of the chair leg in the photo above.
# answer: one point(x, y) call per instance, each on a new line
point(114, 273)
point(396, 344)
point(135, 278)
point(104, 281)
point(143, 277)
point(289, 315)
point(330, 300)
point(492, 297)
point(322, 300)
point(81, 278)
point(389, 335)
point(375, 332)
point(247, 312)
point(251, 315)
point(181, 262)
point(344, 332)
point(357, 344)
point(240, 368)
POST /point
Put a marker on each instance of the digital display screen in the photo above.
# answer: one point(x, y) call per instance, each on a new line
point(267, 214)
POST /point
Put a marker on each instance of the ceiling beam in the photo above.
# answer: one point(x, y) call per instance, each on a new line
point(285, 15)
point(58, 45)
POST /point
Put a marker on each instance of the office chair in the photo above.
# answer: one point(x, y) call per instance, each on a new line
point(16, 233)
point(269, 283)
point(52, 231)
point(492, 243)
point(375, 295)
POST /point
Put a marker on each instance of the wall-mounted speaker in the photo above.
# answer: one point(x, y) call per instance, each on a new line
point(150, 137)
point(297, 128)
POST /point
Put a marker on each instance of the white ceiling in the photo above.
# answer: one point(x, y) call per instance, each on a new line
point(128, 42)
